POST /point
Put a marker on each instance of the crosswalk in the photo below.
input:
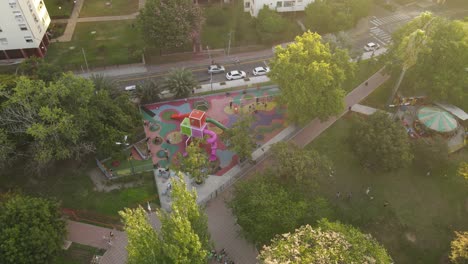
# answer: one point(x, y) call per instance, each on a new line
point(381, 35)
point(390, 19)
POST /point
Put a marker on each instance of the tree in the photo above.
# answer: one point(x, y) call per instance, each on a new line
point(180, 82)
point(272, 27)
point(381, 143)
point(148, 92)
point(168, 24)
point(264, 208)
point(329, 242)
point(105, 83)
point(37, 68)
point(310, 77)
point(431, 153)
point(298, 165)
point(195, 163)
point(184, 236)
point(426, 41)
point(7, 149)
point(463, 170)
point(459, 248)
point(32, 229)
point(240, 137)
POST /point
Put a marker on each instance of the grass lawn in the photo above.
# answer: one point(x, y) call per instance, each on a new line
point(56, 12)
point(417, 225)
point(114, 42)
point(378, 99)
point(95, 8)
point(73, 187)
point(78, 254)
point(364, 70)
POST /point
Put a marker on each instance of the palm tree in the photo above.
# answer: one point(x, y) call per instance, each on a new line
point(104, 83)
point(148, 92)
point(180, 82)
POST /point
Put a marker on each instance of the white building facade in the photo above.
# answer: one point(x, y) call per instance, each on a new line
point(23, 29)
point(254, 6)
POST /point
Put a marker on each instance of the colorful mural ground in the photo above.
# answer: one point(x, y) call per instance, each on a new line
point(224, 108)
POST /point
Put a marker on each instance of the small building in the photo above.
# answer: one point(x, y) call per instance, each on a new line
point(254, 6)
point(23, 29)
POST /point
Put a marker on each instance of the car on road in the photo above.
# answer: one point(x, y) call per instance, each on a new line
point(371, 46)
point(234, 75)
point(260, 71)
point(216, 69)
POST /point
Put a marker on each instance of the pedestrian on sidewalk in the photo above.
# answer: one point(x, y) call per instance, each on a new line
point(166, 153)
point(111, 235)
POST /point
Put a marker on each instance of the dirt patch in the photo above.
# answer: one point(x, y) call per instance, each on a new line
point(410, 237)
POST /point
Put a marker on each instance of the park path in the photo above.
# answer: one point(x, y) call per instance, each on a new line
point(221, 222)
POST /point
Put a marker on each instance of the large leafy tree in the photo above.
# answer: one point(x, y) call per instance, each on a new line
point(298, 165)
point(459, 246)
point(184, 236)
point(195, 163)
point(264, 208)
point(148, 92)
point(180, 82)
point(36, 68)
point(240, 137)
point(64, 119)
point(32, 230)
point(170, 23)
point(381, 143)
point(328, 16)
point(463, 170)
point(272, 27)
point(105, 83)
point(329, 242)
point(426, 41)
point(310, 77)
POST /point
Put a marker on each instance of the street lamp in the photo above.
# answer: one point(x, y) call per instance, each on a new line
point(125, 144)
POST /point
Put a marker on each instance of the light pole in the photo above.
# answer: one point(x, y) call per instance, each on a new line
point(211, 80)
point(125, 144)
point(209, 53)
point(229, 43)
point(86, 61)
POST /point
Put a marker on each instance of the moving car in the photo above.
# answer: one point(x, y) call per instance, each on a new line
point(234, 75)
point(215, 69)
point(371, 46)
point(260, 71)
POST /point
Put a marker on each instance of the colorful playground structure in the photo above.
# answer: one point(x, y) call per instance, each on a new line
point(193, 124)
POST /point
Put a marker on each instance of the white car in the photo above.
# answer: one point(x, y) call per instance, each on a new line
point(234, 75)
point(215, 69)
point(130, 88)
point(260, 71)
point(371, 46)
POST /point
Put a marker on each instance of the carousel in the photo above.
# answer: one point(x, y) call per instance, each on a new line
point(431, 119)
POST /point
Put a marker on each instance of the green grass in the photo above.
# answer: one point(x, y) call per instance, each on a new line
point(364, 70)
point(115, 42)
point(54, 11)
point(78, 254)
point(57, 29)
point(378, 99)
point(95, 8)
point(429, 208)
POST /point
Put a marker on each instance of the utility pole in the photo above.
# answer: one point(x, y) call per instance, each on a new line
point(229, 43)
point(211, 80)
point(209, 53)
point(86, 61)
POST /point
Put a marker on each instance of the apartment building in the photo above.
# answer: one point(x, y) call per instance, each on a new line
point(254, 6)
point(23, 29)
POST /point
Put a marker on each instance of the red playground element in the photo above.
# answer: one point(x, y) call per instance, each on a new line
point(179, 117)
point(197, 118)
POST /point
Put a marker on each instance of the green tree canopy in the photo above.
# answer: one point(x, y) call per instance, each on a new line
point(264, 208)
point(463, 170)
point(459, 246)
point(36, 68)
point(298, 165)
point(443, 43)
point(148, 92)
point(381, 143)
point(240, 137)
point(272, 27)
point(180, 82)
point(195, 164)
point(105, 83)
point(65, 119)
point(32, 230)
point(168, 24)
point(310, 77)
point(329, 242)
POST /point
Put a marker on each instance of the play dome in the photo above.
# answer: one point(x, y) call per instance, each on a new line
point(436, 119)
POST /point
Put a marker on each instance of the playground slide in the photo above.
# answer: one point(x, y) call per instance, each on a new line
point(213, 142)
point(216, 123)
point(180, 117)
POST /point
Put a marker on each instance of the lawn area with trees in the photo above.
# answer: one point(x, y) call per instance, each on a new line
point(98, 8)
point(59, 8)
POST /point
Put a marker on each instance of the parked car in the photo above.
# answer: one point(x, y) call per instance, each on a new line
point(260, 71)
point(371, 46)
point(130, 88)
point(234, 75)
point(215, 69)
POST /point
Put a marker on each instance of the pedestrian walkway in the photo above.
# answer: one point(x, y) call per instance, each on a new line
point(70, 28)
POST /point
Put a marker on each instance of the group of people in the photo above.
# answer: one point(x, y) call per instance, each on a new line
point(220, 257)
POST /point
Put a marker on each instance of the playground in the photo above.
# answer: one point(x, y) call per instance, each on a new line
point(170, 126)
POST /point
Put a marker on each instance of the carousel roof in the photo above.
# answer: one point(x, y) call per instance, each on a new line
point(437, 119)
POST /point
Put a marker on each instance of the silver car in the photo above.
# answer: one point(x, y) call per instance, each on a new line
point(234, 75)
point(260, 71)
point(215, 69)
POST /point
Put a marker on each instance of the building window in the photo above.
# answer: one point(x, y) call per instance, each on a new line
point(3, 41)
point(13, 3)
point(288, 3)
point(28, 39)
point(247, 5)
point(23, 27)
point(40, 6)
point(279, 4)
point(1, 30)
point(19, 18)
